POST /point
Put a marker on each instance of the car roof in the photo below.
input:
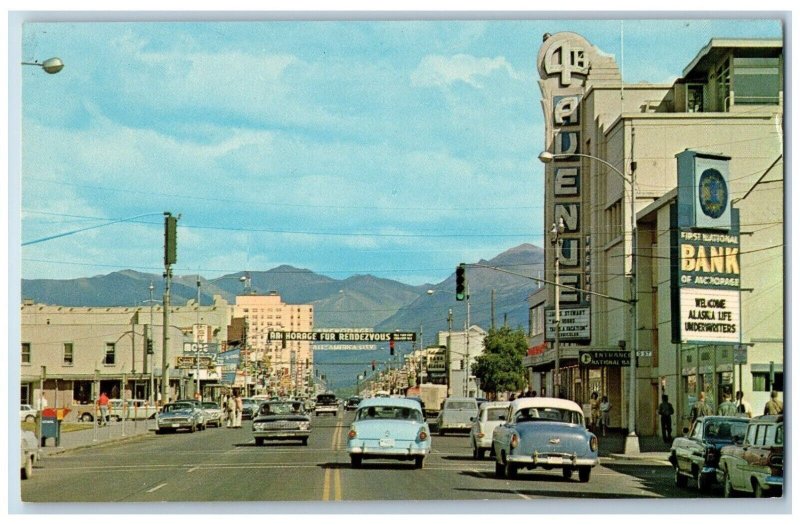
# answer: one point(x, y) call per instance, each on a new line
point(495, 404)
point(545, 402)
point(768, 419)
point(389, 401)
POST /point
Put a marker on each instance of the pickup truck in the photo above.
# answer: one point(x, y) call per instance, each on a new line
point(326, 404)
point(457, 414)
point(754, 465)
point(696, 455)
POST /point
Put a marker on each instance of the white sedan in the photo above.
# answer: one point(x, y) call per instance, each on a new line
point(27, 413)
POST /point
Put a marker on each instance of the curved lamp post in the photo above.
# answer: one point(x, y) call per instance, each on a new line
point(51, 65)
point(632, 441)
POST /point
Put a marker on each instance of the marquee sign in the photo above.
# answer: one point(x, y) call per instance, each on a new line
point(574, 325)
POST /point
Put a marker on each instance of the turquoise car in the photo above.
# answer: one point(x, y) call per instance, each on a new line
point(388, 428)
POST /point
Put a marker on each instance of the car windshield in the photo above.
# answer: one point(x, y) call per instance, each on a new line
point(209, 404)
point(177, 406)
point(494, 414)
point(280, 409)
point(326, 399)
point(461, 405)
point(548, 414)
point(389, 412)
point(724, 429)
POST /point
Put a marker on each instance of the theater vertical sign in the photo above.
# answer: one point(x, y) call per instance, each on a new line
point(705, 253)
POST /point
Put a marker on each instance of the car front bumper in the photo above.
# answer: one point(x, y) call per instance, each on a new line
point(281, 434)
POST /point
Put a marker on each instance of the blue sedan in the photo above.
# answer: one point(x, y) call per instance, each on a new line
point(389, 428)
point(548, 433)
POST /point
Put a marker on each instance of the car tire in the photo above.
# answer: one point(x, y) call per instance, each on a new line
point(259, 441)
point(727, 486)
point(304, 441)
point(87, 418)
point(680, 479)
point(159, 431)
point(355, 461)
point(419, 461)
point(27, 468)
point(192, 429)
point(499, 470)
point(758, 492)
point(481, 453)
point(510, 470)
point(29, 419)
point(566, 473)
point(584, 474)
point(703, 483)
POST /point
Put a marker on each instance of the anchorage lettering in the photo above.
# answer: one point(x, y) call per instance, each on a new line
point(342, 336)
point(709, 260)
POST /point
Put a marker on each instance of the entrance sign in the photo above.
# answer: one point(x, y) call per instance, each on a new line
point(605, 358)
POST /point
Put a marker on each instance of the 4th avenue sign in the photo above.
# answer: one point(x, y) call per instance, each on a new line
point(348, 337)
point(605, 358)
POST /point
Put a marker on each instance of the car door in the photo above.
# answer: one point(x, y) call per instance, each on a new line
point(738, 469)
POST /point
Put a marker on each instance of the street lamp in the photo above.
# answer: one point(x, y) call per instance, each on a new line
point(632, 441)
point(51, 65)
point(555, 239)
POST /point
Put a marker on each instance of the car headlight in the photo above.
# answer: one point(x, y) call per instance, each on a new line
point(303, 425)
point(593, 443)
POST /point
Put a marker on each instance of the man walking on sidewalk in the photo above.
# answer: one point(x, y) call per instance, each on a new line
point(102, 402)
point(665, 410)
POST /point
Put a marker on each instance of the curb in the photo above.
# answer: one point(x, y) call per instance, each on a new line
point(55, 451)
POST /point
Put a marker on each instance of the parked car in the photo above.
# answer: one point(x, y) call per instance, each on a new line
point(754, 464)
point(490, 415)
point(281, 420)
point(696, 455)
point(456, 414)
point(180, 415)
point(544, 432)
point(27, 413)
point(29, 453)
point(388, 428)
point(213, 413)
point(352, 403)
point(130, 409)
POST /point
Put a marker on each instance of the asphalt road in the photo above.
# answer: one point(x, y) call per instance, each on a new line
point(225, 465)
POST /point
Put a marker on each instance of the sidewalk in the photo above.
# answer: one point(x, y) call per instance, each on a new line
point(612, 445)
point(113, 432)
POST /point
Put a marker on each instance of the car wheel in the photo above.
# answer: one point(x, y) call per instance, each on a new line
point(192, 429)
point(304, 441)
point(758, 492)
point(419, 461)
point(159, 431)
point(116, 419)
point(27, 469)
point(481, 452)
point(259, 441)
point(566, 473)
point(727, 486)
point(510, 470)
point(680, 479)
point(87, 418)
point(29, 419)
point(440, 430)
point(474, 451)
point(703, 483)
point(499, 470)
point(584, 473)
point(355, 461)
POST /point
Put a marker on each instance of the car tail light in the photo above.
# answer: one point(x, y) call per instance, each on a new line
point(480, 434)
point(593, 444)
point(352, 434)
point(422, 434)
point(514, 441)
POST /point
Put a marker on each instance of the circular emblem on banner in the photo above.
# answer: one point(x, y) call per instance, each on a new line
point(713, 193)
point(586, 359)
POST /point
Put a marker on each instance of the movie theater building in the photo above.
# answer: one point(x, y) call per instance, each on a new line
point(703, 260)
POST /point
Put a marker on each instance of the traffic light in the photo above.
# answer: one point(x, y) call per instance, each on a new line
point(170, 239)
point(391, 344)
point(373, 365)
point(461, 282)
point(149, 346)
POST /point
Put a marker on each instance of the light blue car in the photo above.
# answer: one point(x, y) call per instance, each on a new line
point(389, 428)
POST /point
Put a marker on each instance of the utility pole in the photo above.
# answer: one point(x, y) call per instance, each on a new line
point(170, 258)
point(555, 239)
point(197, 356)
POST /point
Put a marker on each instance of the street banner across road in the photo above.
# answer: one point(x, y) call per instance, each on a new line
point(349, 337)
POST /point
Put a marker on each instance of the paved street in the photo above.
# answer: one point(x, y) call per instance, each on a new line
point(225, 465)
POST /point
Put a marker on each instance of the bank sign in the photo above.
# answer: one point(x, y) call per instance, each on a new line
point(705, 254)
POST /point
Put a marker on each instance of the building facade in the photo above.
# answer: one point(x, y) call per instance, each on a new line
point(611, 179)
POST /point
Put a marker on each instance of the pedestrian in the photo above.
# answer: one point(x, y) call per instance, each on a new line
point(231, 406)
point(774, 406)
point(700, 408)
point(42, 403)
point(605, 416)
point(727, 407)
point(239, 407)
point(743, 407)
point(102, 403)
point(594, 411)
point(665, 410)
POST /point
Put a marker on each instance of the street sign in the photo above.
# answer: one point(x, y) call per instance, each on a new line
point(644, 353)
point(203, 348)
point(190, 361)
point(605, 358)
point(740, 355)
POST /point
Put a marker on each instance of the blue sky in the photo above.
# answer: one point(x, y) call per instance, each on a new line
point(395, 148)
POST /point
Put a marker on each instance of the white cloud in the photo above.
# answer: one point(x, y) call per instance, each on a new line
point(442, 71)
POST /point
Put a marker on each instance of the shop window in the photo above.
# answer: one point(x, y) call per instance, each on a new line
point(761, 382)
point(68, 354)
point(756, 81)
point(110, 355)
point(26, 353)
point(694, 98)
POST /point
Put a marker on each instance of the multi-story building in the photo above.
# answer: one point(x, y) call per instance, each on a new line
point(287, 365)
point(612, 177)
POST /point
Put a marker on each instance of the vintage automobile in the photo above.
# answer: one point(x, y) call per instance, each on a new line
point(326, 404)
point(388, 428)
point(180, 415)
point(281, 420)
point(29, 453)
point(352, 403)
point(490, 415)
point(696, 455)
point(754, 464)
point(27, 413)
point(250, 407)
point(213, 413)
point(456, 414)
point(544, 432)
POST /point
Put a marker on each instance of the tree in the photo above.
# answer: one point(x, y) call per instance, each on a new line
point(500, 367)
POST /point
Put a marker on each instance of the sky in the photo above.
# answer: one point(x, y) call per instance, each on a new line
point(394, 148)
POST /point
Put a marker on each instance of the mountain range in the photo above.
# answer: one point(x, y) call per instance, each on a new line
point(360, 301)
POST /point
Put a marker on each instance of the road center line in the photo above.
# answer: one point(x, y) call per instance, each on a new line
point(156, 488)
